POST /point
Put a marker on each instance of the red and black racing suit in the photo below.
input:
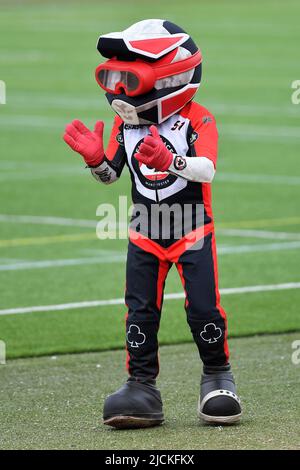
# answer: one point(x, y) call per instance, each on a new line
point(191, 132)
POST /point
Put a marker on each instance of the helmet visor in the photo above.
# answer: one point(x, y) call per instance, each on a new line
point(138, 77)
point(115, 80)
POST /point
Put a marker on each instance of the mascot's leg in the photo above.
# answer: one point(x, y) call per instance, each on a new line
point(218, 402)
point(138, 403)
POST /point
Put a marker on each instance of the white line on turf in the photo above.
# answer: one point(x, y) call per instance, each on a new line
point(47, 220)
point(224, 250)
point(71, 222)
point(121, 257)
point(273, 133)
point(235, 109)
point(24, 176)
point(33, 165)
point(258, 179)
point(120, 301)
point(41, 101)
point(59, 263)
point(266, 234)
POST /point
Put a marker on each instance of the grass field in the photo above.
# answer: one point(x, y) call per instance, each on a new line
point(57, 401)
point(50, 257)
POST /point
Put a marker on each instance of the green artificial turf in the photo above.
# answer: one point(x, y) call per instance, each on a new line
point(47, 59)
point(56, 402)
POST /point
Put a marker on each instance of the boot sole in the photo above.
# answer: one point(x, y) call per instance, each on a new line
point(131, 422)
point(220, 419)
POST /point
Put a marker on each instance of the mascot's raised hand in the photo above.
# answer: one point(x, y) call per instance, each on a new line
point(88, 143)
point(153, 152)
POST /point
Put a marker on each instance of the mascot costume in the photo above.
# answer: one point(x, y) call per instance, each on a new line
point(169, 143)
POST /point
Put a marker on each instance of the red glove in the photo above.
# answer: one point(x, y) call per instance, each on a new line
point(89, 144)
point(153, 152)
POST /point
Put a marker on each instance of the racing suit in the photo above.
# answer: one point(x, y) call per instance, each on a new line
point(190, 133)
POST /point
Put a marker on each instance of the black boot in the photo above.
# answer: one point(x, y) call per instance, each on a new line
point(135, 405)
point(218, 401)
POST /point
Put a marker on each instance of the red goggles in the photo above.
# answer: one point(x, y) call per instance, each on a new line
point(138, 77)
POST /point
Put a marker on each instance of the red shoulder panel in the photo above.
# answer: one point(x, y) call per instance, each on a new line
point(205, 128)
point(113, 144)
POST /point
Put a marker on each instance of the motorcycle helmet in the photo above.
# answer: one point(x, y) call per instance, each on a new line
point(153, 70)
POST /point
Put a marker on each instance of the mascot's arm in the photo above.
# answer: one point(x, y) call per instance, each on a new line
point(107, 167)
point(200, 170)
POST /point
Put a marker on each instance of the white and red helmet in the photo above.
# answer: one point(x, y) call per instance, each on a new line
point(153, 71)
